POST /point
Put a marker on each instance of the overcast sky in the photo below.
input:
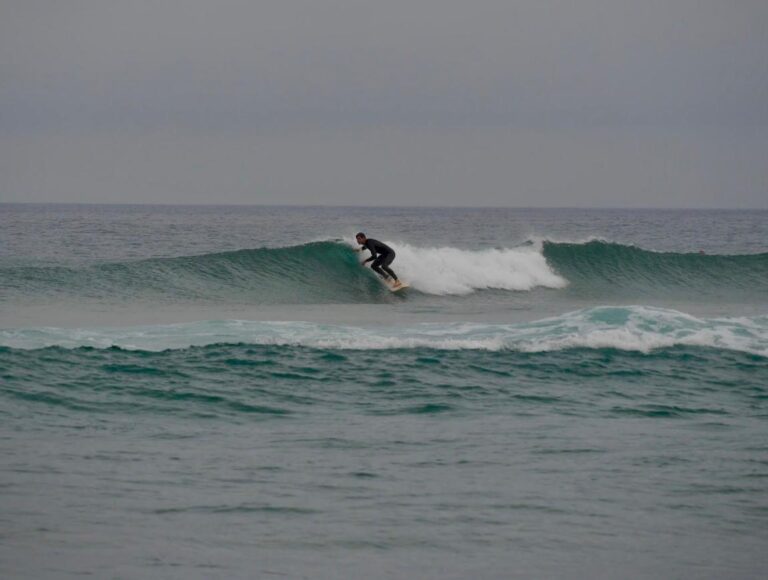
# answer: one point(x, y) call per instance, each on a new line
point(590, 103)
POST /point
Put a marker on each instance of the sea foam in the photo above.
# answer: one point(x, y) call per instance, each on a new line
point(454, 271)
point(633, 328)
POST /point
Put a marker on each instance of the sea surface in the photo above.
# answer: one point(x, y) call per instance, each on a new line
point(224, 392)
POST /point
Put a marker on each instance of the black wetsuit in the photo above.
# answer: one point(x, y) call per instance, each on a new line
point(382, 256)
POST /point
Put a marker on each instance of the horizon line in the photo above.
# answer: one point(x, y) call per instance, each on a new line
point(345, 206)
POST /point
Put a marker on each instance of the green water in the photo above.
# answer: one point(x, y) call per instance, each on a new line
point(226, 393)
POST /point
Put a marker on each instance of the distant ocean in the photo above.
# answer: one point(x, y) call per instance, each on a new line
point(224, 392)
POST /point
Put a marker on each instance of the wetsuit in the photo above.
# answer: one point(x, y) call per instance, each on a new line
point(382, 256)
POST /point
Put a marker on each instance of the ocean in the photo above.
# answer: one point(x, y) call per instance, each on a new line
point(224, 392)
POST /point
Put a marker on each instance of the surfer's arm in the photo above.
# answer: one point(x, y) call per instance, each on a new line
point(371, 250)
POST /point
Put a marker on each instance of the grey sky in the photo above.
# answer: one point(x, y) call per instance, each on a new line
point(426, 102)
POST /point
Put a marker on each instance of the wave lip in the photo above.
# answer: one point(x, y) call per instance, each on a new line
point(633, 328)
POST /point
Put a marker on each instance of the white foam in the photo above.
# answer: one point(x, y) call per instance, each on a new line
point(644, 329)
point(455, 271)
point(634, 328)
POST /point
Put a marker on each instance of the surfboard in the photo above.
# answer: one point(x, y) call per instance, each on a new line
point(393, 288)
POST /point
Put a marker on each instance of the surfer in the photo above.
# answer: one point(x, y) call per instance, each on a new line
point(382, 256)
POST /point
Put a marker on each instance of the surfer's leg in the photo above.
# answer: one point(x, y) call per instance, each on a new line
point(385, 266)
point(376, 267)
point(389, 272)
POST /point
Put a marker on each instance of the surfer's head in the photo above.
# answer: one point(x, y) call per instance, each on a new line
point(360, 237)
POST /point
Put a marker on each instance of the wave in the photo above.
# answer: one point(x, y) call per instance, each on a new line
point(604, 268)
point(632, 328)
point(316, 272)
point(329, 272)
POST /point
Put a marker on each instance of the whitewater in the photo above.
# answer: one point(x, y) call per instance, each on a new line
point(638, 328)
point(200, 392)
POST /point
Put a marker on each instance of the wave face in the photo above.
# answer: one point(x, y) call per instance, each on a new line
point(316, 272)
point(636, 328)
point(603, 268)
